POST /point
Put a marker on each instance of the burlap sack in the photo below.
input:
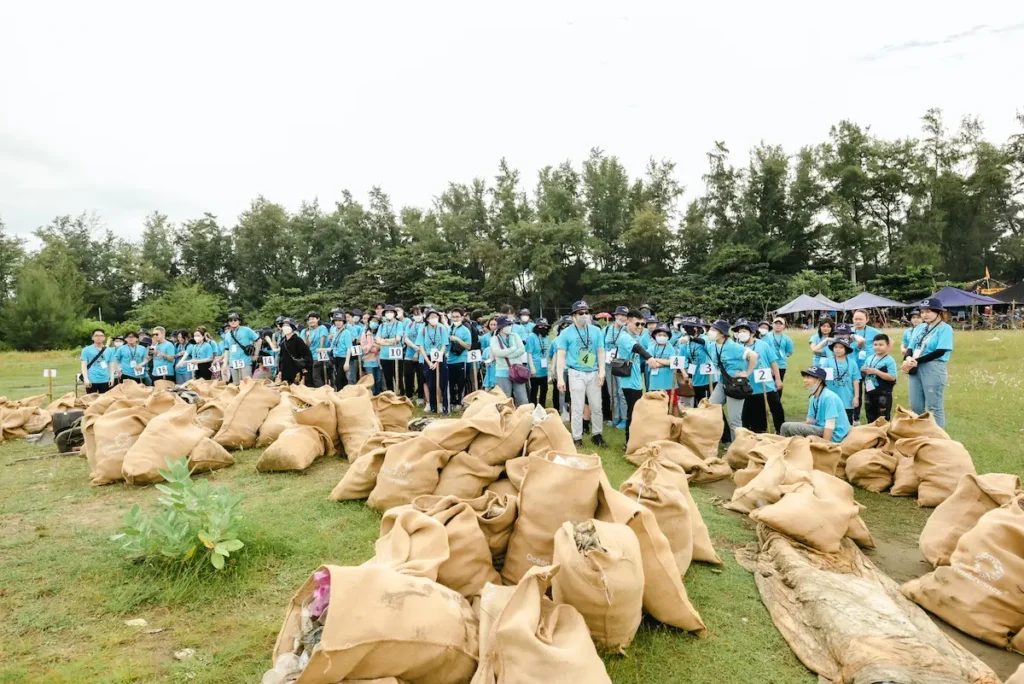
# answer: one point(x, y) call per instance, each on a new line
point(502, 487)
point(526, 639)
point(35, 401)
point(114, 433)
point(905, 477)
point(516, 468)
point(321, 415)
point(516, 426)
point(841, 493)
point(906, 424)
point(703, 549)
point(701, 428)
point(20, 422)
point(758, 456)
point(162, 400)
point(601, 575)
point(410, 469)
point(665, 597)
point(245, 414)
point(939, 463)
point(477, 401)
point(466, 476)
point(356, 421)
point(871, 436)
point(211, 413)
point(824, 455)
point(163, 384)
point(204, 388)
point(651, 422)
point(979, 591)
point(871, 469)
point(550, 434)
point(810, 520)
point(280, 418)
point(361, 476)
point(314, 395)
point(456, 434)
point(89, 417)
point(974, 496)
point(296, 449)
point(469, 564)
point(172, 434)
point(496, 514)
point(781, 469)
point(1017, 677)
point(671, 509)
point(556, 489)
point(682, 456)
point(66, 402)
point(208, 455)
point(393, 411)
point(738, 452)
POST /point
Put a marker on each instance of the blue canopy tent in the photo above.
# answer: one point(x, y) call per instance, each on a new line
point(805, 303)
point(866, 300)
point(953, 297)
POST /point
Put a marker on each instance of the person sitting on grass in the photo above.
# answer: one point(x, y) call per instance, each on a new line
point(826, 415)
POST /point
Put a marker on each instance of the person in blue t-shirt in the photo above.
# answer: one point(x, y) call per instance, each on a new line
point(538, 350)
point(240, 348)
point(820, 340)
point(826, 415)
point(629, 348)
point(842, 375)
point(411, 370)
point(925, 363)
point(432, 345)
point(915, 320)
point(389, 337)
point(878, 374)
point(132, 358)
point(616, 397)
point(317, 338)
point(460, 340)
point(729, 358)
point(180, 340)
point(490, 379)
point(199, 355)
point(660, 374)
point(340, 341)
point(163, 354)
point(862, 338)
point(96, 362)
point(765, 381)
point(697, 371)
point(524, 320)
point(782, 344)
point(581, 352)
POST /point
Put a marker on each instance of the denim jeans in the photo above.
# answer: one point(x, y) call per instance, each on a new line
point(734, 406)
point(516, 390)
point(618, 409)
point(928, 389)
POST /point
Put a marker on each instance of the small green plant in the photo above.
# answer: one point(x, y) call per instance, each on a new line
point(196, 522)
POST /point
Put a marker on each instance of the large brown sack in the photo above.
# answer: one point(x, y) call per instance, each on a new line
point(871, 436)
point(469, 565)
point(824, 454)
point(905, 478)
point(208, 455)
point(494, 450)
point(393, 411)
point(19, 423)
point(313, 395)
point(162, 400)
point(35, 401)
point(479, 400)
point(211, 413)
point(323, 416)
point(550, 434)
point(784, 468)
point(526, 639)
point(683, 456)
point(172, 434)
point(67, 402)
point(280, 418)
point(361, 476)
point(841, 493)
point(1017, 677)
point(701, 428)
point(245, 414)
point(516, 468)
point(410, 469)
point(296, 449)
point(496, 514)
point(651, 422)
point(671, 509)
point(665, 596)
point(979, 591)
point(601, 575)
point(871, 469)
point(556, 489)
point(89, 417)
point(940, 463)
point(456, 434)
point(502, 487)
point(906, 424)
point(114, 433)
point(809, 519)
point(758, 456)
point(745, 441)
point(466, 476)
point(356, 420)
point(975, 495)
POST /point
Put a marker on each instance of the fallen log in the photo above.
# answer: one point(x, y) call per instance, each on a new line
point(848, 622)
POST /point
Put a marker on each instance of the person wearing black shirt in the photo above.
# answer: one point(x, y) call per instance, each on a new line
point(296, 360)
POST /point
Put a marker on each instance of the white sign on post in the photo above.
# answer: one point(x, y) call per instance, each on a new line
point(678, 362)
point(394, 353)
point(357, 351)
point(238, 364)
point(268, 361)
point(435, 355)
point(474, 355)
point(49, 372)
point(323, 354)
point(192, 366)
point(707, 369)
point(762, 375)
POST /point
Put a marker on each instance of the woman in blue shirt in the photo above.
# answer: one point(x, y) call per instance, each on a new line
point(843, 375)
point(200, 354)
point(698, 366)
point(433, 345)
point(538, 349)
point(628, 346)
point(490, 380)
point(764, 382)
point(821, 340)
point(661, 350)
point(559, 400)
point(782, 344)
point(915, 320)
point(732, 358)
point(931, 343)
point(181, 374)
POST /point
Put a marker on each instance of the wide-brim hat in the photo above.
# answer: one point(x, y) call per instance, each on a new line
point(842, 343)
point(580, 306)
point(389, 307)
point(662, 328)
point(815, 372)
point(621, 310)
point(932, 304)
point(743, 323)
point(502, 322)
point(721, 325)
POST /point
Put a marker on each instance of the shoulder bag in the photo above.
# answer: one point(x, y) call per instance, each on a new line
point(518, 373)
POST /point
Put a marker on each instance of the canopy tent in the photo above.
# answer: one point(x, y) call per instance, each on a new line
point(831, 306)
point(866, 300)
point(805, 303)
point(1012, 294)
point(955, 297)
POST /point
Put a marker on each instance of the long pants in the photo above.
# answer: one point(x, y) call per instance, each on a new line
point(928, 389)
point(754, 416)
point(617, 401)
point(378, 379)
point(239, 374)
point(340, 378)
point(782, 376)
point(456, 382)
point(558, 398)
point(98, 388)
point(855, 416)
point(354, 367)
point(801, 430)
point(319, 376)
point(583, 387)
point(413, 376)
point(876, 404)
point(606, 395)
point(632, 396)
point(387, 369)
point(701, 392)
point(437, 389)
point(539, 391)
point(516, 390)
point(734, 406)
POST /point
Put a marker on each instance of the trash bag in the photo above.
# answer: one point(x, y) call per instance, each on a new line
point(651, 422)
point(393, 411)
point(356, 419)
point(296, 449)
point(601, 575)
point(114, 433)
point(410, 469)
point(701, 428)
point(871, 469)
point(974, 496)
point(172, 434)
point(280, 418)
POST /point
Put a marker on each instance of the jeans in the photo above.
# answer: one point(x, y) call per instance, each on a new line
point(734, 406)
point(618, 407)
point(457, 381)
point(437, 382)
point(878, 403)
point(632, 396)
point(582, 387)
point(801, 430)
point(539, 391)
point(927, 390)
point(516, 390)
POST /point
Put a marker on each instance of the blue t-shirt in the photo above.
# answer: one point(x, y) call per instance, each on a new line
point(825, 353)
point(732, 356)
point(412, 333)
point(765, 357)
point(662, 378)
point(906, 337)
point(782, 345)
point(456, 352)
point(315, 338)
point(340, 341)
point(579, 341)
point(181, 373)
point(696, 357)
point(162, 368)
point(930, 338)
point(431, 339)
point(528, 327)
point(205, 350)
point(624, 343)
point(539, 349)
point(845, 372)
point(886, 364)
point(129, 359)
point(861, 354)
point(388, 330)
point(235, 342)
point(611, 336)
point(99, 372)
point(828, 406)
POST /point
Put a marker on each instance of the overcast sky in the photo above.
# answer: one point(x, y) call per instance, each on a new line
point(122, 108)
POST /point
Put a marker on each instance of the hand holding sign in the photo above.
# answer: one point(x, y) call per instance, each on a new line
point(238, 364)
point(323, 355)
point(193, 366)
point(435, 355)
point(474, 355)
point(678, 362)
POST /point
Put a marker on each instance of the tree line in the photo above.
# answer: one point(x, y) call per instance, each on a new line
point(902, 217)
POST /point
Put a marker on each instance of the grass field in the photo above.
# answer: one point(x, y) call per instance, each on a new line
point(65, 592)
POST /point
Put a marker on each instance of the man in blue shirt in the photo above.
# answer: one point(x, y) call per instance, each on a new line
point(731, 358)
point(629, 348)
point(460, 340)
point(782, 344)
point(581, 350)
point(826, 415)
point(132, 358)
point(617, 398)
point(240, 348)
point(162, 353)
point(862, 338)
point(412, 372)
point(432, 344)
point(96, 360)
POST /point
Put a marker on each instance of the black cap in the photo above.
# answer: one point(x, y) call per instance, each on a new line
point(337, 316)
point(234, 317)
point(279, 320)
point(932, 304)
point(581, 305)
point(815, 372)
point(621, 310)
point(313, 314)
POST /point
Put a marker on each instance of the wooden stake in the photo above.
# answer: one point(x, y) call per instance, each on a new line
point(474, 377)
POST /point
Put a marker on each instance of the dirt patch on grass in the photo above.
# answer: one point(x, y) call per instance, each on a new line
point(95, 514)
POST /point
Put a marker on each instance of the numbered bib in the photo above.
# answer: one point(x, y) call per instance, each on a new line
point(234, 349)
point(238, 364)
point(323, 354)
point(869, 385)
point(830, 374)
point(585, 358)
point(678, 362)
point(268, 361)
point(435, 355)
point(474, 355)
point(543, 363)
point(193, 367)
point(762, 375)
point(160, 370)
point(139, 370)
point(357, 351)
point(707, 369)
point(612, 354)
point(394, 353)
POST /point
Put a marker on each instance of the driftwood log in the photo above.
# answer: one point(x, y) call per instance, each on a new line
point(847, 621)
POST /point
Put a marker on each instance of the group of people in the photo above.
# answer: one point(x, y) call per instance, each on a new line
point(436, 357)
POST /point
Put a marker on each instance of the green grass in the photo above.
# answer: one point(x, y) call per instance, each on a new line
point(65, 592)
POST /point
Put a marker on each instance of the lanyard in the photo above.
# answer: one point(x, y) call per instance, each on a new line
point(656, 347)
point(586, 342)
point(719, 348)
point(692, 348)
point(873, 363)
point(432, 338)
point(814, 404)
point(540, 341)
point(389, 331)
point(839, 375)
point(618, 331)
point(778, 345)
point(927, 333)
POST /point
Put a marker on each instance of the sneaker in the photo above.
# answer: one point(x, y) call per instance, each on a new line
point(578, 443)
point(598, 441)
point(611, 423)
point(419, 402)
point(621, 425)
point(586, 427)
point(565, 417)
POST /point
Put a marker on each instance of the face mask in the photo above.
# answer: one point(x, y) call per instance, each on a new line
point(813, 388)
point(661, 339)
point(433, 321)
point(524, 319)
point(456, 321)
point(418, 318)
point(742, 336)
point(583, 319)
point(373, 325)
point(713, 335)
point(198, 339)
point(763, 331)
point(621, 320)
point(389, 316)
point(286, 329)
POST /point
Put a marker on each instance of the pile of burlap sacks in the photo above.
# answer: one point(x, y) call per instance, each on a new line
point(24, 417)
point(483, 516)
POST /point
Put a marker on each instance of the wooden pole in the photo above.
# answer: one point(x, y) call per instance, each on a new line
point(395, 361)
point(767, 415)
point(475, 388)
point(50, 375)
point(437, 385)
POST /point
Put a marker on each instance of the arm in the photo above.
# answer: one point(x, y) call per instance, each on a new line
point(830, 427)
point(504, 352)
point(85, 373)
point(775, 373)
point(817, 348)
point(751, 362)
point(930, 356)
point(560, 363)
point(881, 374)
